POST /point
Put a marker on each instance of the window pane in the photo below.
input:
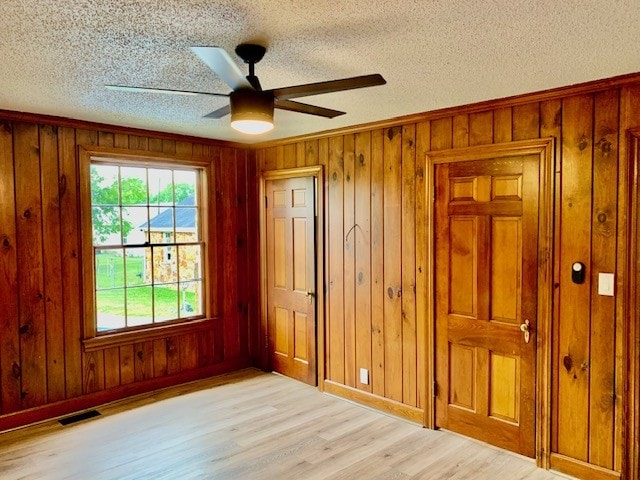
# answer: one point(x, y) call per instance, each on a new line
point(138, 266)
point(133, 185)
point(106, 225)
point(139, 306)
point(148, 214)
point(109, 269)
point(166, 302)
point(104, 185)
point(190, 299)
point(134, 225)
point(165, 264)
point(161, 224)
point(110, 309)
point(186, 223)
point(190, 260)
point(185, 186)
point(160, 187)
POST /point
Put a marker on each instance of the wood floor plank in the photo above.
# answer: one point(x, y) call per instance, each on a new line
point(249, 425)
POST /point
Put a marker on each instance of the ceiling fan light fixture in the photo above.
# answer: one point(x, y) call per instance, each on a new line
point(251, 111)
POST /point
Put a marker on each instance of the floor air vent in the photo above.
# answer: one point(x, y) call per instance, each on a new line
point(79, 417)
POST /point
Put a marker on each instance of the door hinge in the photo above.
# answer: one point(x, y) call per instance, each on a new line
point(266, 202)
point(266, 342)
point(435, 389)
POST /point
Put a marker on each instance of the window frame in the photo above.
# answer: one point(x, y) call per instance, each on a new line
point(94, 340)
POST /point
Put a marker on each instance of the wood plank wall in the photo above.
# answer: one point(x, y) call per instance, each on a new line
point(375, 210)
point(42, 360)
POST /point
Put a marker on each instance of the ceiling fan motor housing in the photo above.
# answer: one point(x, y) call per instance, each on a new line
point(251, 105)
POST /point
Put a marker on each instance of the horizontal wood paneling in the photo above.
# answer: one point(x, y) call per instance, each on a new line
point(42, 360)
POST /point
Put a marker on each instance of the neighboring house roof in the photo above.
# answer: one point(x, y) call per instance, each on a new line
point(185, 217)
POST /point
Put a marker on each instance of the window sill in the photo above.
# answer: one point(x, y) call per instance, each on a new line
point(135, 336)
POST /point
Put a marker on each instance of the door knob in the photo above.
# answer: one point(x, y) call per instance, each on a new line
point(526, 329)
point(310, 296)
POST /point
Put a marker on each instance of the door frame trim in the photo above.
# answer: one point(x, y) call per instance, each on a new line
point(316, 171)
point(544, 148)
point(631, 303)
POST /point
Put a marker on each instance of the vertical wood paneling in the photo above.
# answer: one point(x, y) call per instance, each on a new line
point(349, 261)
point(253, 258)
point(311, 153)
point(206, 353)
point(105, 139)
point(289, 156)
point(112, 367)
point(173, 355)
point(575, 234)
point(93, 371)
point(602, 395)
point(243, 278)
point(168, 146)
point(70, 259)
point(121, 140)
point(526, 121)
point(585, 391)
point(160, 357)
point(460, 131)
point(336, 263)
point(51, 255)
point(377, 263)
point(551, 126)
point(270, 158)
point(127, 374)
point(409, 347)
point(155, 144)
point(188, 351)
point(423, 145)
point(42, 359)
point(143, 361)
point(184, 149)
point(441, 134)
point(227, 235)
point(30, 274)
point(481, 128)
point(502, 125)
point(392, 265)
point(300, 154)
point(9, 341)
point(363, 201)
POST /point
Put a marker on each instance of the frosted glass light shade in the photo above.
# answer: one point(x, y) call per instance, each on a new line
point(251, 111)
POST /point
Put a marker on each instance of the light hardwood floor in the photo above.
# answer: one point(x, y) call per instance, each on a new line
point(249, 425)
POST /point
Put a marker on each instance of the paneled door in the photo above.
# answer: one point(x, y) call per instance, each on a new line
point(486, 248)
point(291, 305)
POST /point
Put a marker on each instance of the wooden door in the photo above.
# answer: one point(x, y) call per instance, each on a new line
point(486, 241)
point(291, 273)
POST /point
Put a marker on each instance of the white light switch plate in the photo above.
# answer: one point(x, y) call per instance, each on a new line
point(364, 376)
point(606, 284)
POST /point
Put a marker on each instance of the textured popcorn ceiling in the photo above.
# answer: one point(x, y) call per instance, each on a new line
point(57, 55)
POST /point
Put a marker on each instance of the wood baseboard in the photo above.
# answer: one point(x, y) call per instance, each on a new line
point(386, 405)
point(581, 469)
point(65, 407)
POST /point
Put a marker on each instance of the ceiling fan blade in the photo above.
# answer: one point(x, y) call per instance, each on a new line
point(285, 93)
point(124, 88)
point(218, 60)
point(292, 106)
point(219, 113)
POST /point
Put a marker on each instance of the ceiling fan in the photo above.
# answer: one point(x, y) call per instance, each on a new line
point(250, 106)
